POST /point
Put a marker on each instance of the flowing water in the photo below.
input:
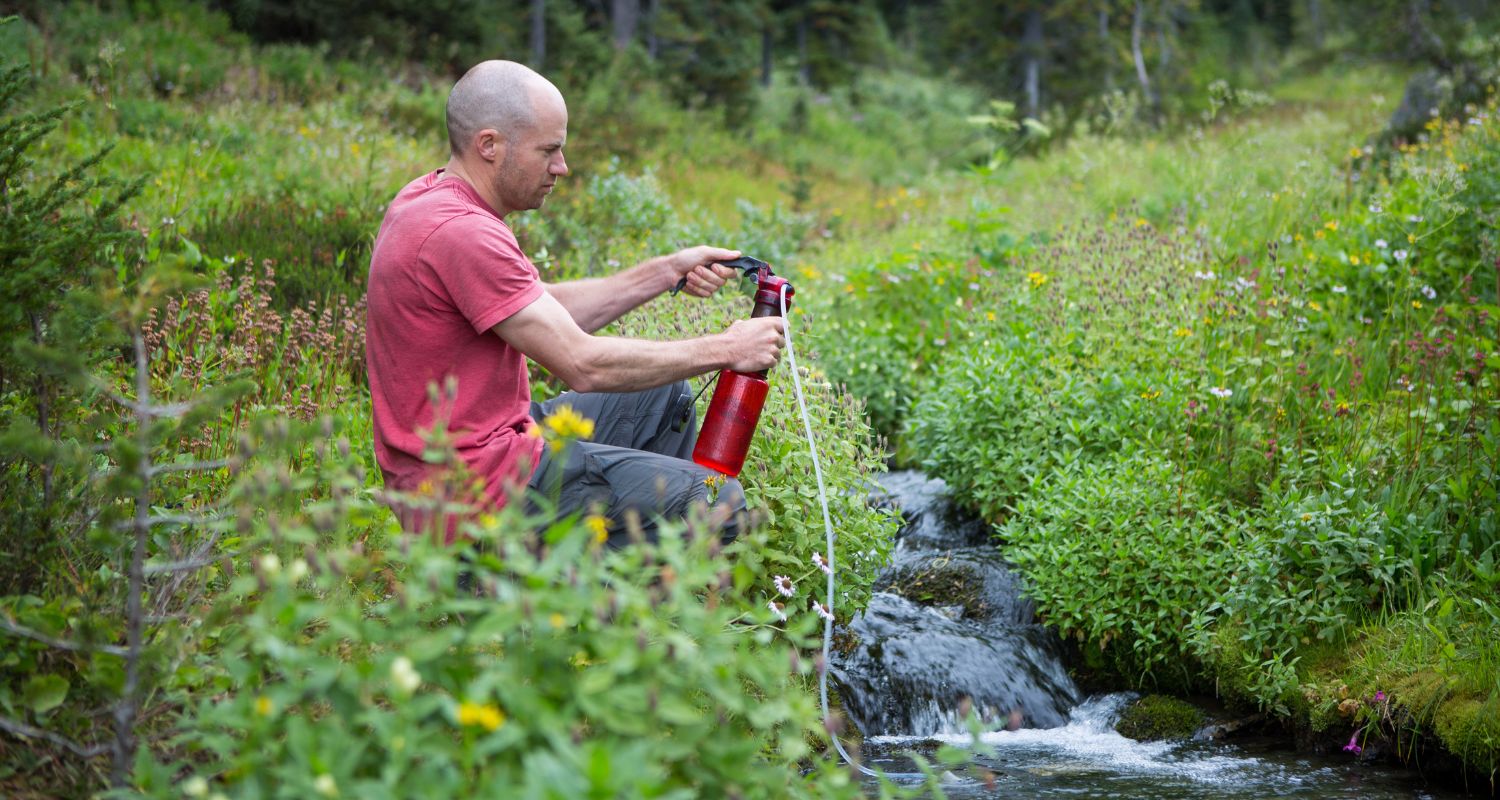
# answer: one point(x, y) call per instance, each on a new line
point(948, 631)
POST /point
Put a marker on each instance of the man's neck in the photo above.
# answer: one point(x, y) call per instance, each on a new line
point(455, 170)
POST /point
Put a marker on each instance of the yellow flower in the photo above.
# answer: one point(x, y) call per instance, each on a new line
point(263, 706)
point(989, 315)
point(1332, 225)
point(1355, 152)
point(1314, 306)
point(1416, 304)
point(1182, 332)
point(1297, 238)
point(557, 620)
point(486, 716)
point(1354, 260)
point(1411, 238)
point(1036, 278)
point(1151, 395)
point(599, 525)
point(1140, 222)
point(1318, 234)
point(569, 423)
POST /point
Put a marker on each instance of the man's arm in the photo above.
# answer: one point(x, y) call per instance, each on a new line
point(596, 302)
point(548, 334)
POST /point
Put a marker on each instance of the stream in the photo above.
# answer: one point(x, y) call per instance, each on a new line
point(948, 630)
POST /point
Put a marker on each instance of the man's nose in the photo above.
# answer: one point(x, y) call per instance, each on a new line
point(559, 165)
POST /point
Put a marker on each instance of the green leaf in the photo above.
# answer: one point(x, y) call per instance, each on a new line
point(46, 692)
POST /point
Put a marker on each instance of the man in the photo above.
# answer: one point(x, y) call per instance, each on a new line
point(452, 297)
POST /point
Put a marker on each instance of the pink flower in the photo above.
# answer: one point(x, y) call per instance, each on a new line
point(1380, 697)
point(1353, 745)
point(776, 609)
point(818, 560)
point(822, 612)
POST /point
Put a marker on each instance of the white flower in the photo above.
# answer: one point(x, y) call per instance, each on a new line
point(818, 560)
point(776, 609)
point(1381, 243)
point(1400, 255)
point(326, 786)
point(1339, 290)
point(1220, 392)
point(822, 612)
point(1204, 276)
point(270, 564)
point(297, 570)
point(195, 786)
point(1429, 293)
point(1375, 208)
point(784, 585)
point(404, 675)
point(1414, 218)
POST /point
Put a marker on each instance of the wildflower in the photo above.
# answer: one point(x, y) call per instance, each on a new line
point(1416, 304)
point(1375, 208)
point(1037, 279)
point(1181, 332)
point(1429, 293)
point(1331, 225)
point(1140, 222)
point(263, 706)
point(1379, 697)
point(1339, 290)
point(1220, 392)
point(270, 564)
point(1414, 218)
point(1192, 409)
point(297, 570)
point(1151, 395)
point(784, 585)
point(1342, 410)
point(1381, 243)
point(1204, 276)
point(822, 612)
point(1313, 304)
point(1354, 260)
point(1400, 255)
point(326, 785)
point(404, 676)
point(599, 525)
point(817, 560)
point(776, 609)
point(195, 786)
point(486, 716)
point(1353, 745)
point(569, 423)
point(989, 315)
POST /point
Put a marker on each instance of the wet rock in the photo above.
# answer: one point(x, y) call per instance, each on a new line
point(973, 581)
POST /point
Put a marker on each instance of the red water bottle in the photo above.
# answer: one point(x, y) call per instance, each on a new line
point(734, 411)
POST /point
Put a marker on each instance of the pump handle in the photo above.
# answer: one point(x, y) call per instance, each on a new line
point(750, 266)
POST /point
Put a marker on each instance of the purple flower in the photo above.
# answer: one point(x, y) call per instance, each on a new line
point(822, 612)
point(776, 609)
point(823, 565)
point(1380, 697)
point(1353, 745)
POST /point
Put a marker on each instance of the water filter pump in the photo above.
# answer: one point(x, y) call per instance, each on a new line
point(729, 424)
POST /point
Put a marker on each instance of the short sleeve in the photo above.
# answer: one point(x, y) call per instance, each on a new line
point(481, 269)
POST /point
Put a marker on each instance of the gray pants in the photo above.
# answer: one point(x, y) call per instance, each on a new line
point(639, 461)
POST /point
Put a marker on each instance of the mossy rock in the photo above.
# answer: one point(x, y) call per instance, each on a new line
point(1155, 717)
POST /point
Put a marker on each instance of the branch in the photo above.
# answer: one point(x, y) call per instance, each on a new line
point(221, 463)
point(153, 520)
point(9, 626)
point(152, 410)
point(26, 731)
point(202, 558)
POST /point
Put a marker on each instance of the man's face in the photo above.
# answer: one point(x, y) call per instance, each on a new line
point(534, 159)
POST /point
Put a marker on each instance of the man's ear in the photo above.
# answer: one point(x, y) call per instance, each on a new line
point(489, 145)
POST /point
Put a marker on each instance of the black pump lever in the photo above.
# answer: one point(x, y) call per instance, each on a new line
point(750, 266)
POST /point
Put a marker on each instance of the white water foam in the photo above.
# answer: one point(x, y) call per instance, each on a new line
point(1088, 744)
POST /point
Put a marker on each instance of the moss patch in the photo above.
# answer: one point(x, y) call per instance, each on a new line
point(1156, 716)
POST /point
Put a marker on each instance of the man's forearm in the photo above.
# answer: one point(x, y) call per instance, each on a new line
point(596, 302)
point(613, 364)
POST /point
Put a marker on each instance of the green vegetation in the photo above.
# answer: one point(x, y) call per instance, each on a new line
point(1157, 716)
point(1216, 357)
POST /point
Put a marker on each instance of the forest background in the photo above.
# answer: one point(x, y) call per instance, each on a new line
point(1195, 301)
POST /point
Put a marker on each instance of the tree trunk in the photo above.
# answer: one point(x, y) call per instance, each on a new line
point(625, 17)
point(1031, 46)
point(653, 44)
point(538, 34)
point(765, 56)
point(1137, 27)
point(804, 69)
point(1104, 48)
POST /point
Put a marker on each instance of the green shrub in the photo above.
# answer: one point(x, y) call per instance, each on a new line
point(570, 671)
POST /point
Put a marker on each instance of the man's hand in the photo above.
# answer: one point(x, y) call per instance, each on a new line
point(755, 344)
point(698, 265)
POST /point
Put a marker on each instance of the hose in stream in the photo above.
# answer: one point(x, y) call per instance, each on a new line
point(791, 355)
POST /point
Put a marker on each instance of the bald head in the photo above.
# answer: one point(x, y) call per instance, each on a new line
point(500, 95)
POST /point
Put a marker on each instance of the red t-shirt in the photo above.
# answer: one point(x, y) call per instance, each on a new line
point(445, 270)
